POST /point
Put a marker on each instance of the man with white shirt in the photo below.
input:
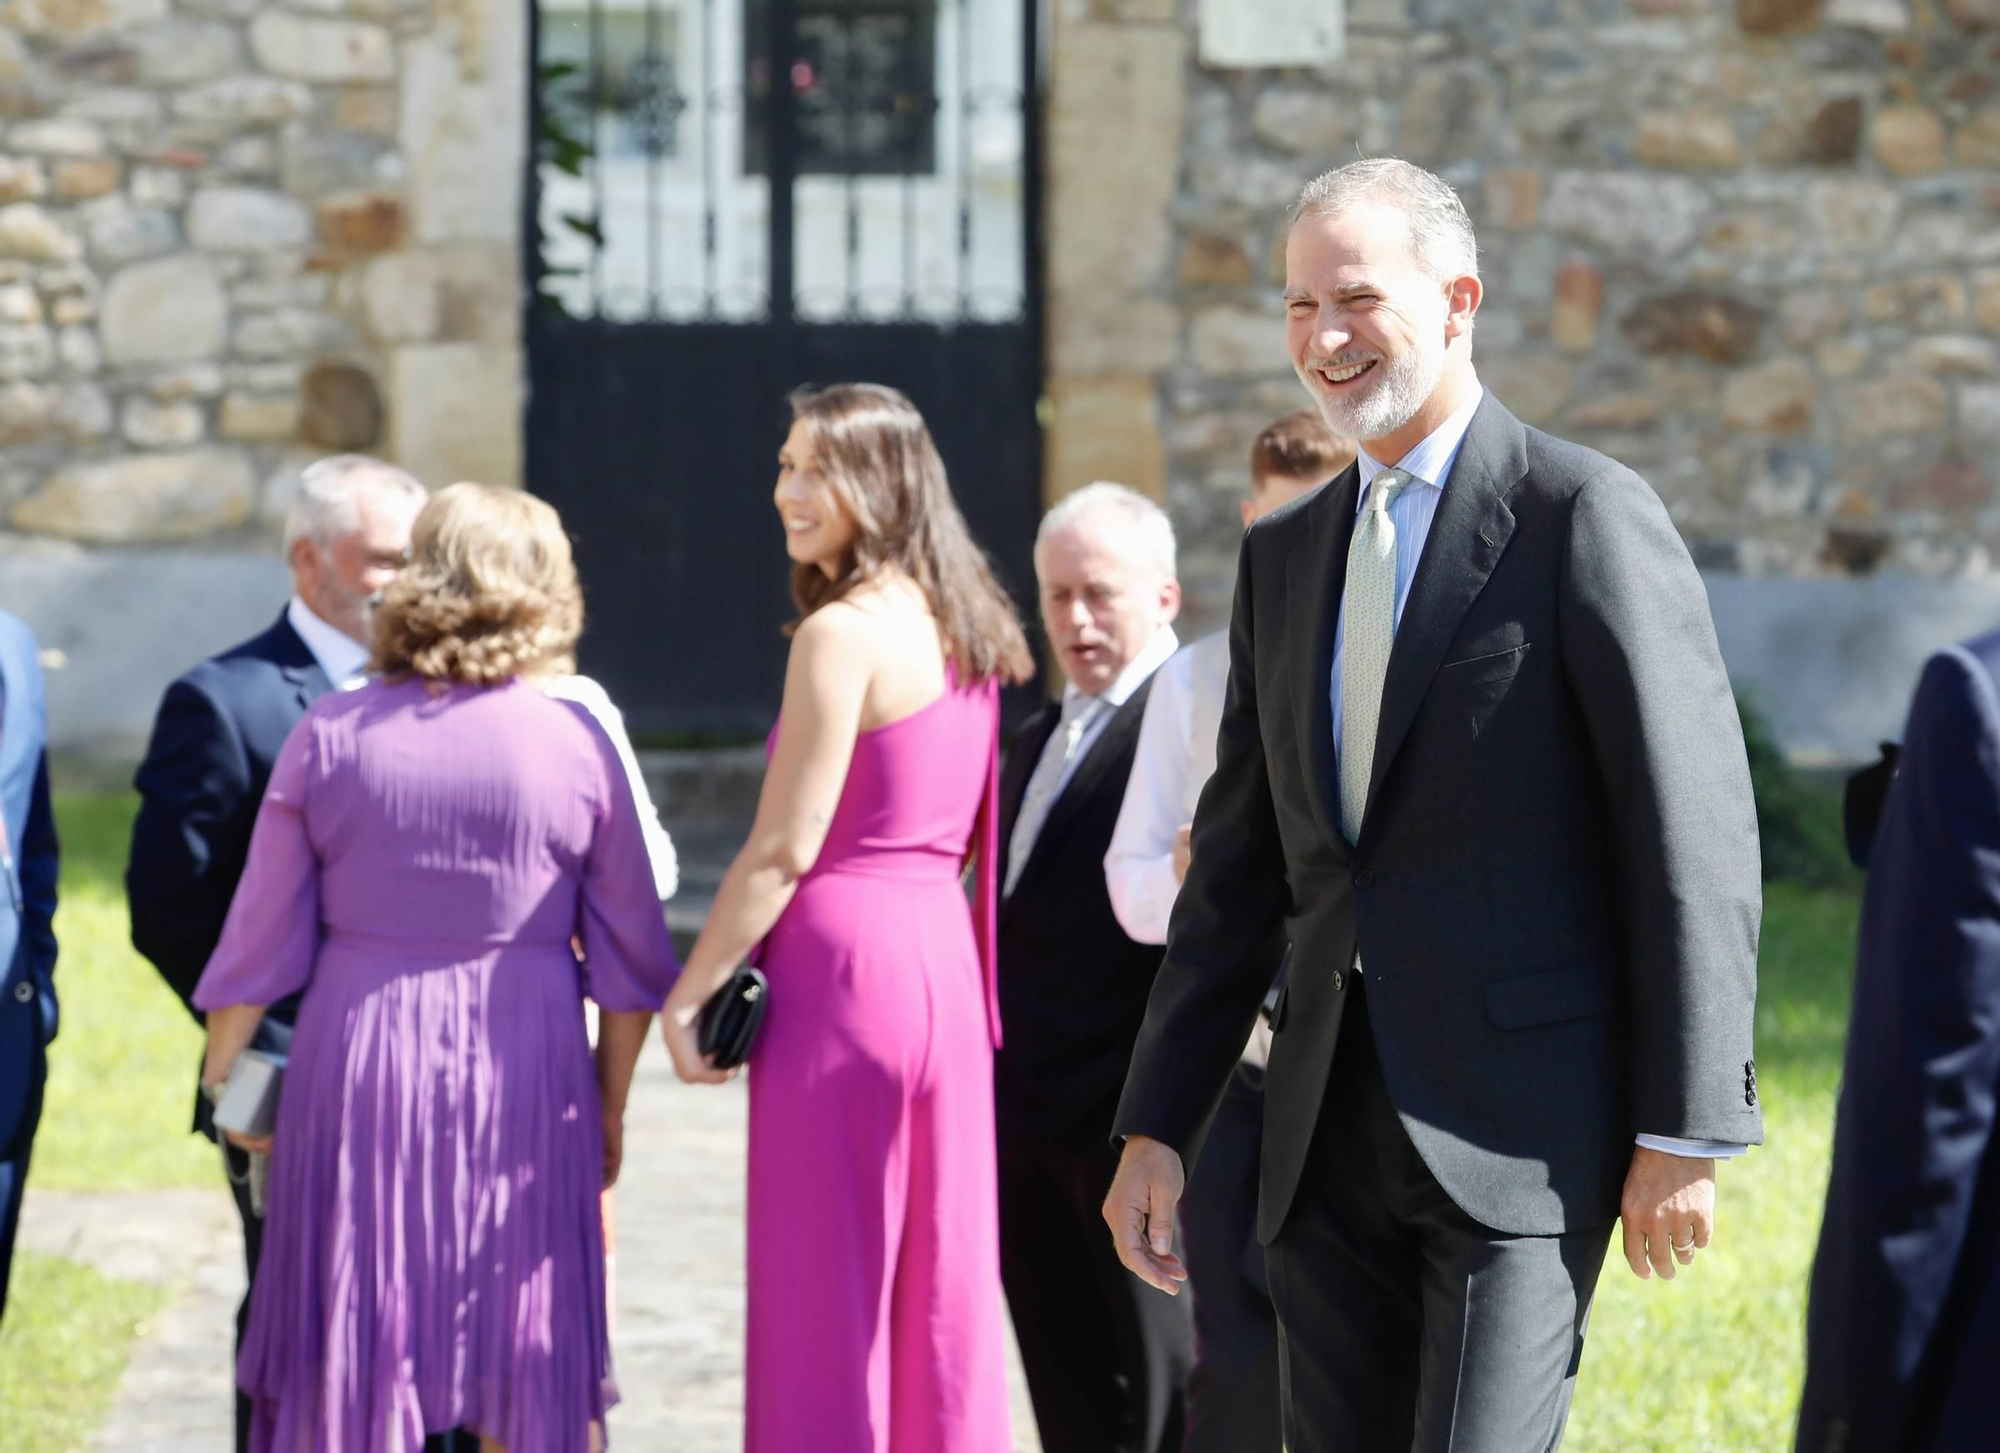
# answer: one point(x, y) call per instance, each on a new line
point(1480, 762)
point(219, 728)
point(1233, 1400)
point(1106, 1359)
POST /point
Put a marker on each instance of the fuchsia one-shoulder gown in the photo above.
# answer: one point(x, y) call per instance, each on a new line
point(875, 1310)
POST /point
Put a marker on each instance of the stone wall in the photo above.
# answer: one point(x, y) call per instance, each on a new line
point(1749, 247)
point(235, 236)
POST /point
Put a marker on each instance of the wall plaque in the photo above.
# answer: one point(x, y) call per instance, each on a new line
point(1245, 33)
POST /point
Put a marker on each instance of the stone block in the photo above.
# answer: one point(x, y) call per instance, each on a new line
point(1698, 138)
point(1925, 303)
point(463, 130)
point(1977, 143)
point(184, 381)
point(322, 50)
point(157, 186)
point(1887, 17)
point(1830, 136)
point(1813, 313)
point(81, 178)
point(33, 235)
point(118, 232)
point(1955, 356)
point(1104, 428)
point(1950, 486)
point(1620, 411)
point(67, 20)
point(247, 219)
point(139, 498)
point(1852, 215)
point(16, 64)
point(25, 412)
point(1979, 414)
point(22, 179)
point(20, 306)
point(1986, 300)
point(245, 101)
point(363, 221)
point(186, 52)
point(1776, 17)
point(262, 418)
point(1579, 299)
point(1212, 260)
point(340, 408)
point(1451, 111)
point(1843, 357)
point(1535, 388)
point(1772, 398)
point(1316, 123)
point(1710, 325)
point(455, 411)
point(78, 350)
point(1098, 333)
point(402, 296)
point(370, 110)
point(1908, 140)
point(1885, 406)
point(313, 161)
point(1232, 342)
point(1634, 214)
point(1975, 14)
point(57, 137)
point(1513, 197)
point(164, 311)
point(148, 424)
point(290, 333)
point(83, 414)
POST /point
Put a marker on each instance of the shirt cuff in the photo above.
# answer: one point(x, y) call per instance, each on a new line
point(1693, 1149)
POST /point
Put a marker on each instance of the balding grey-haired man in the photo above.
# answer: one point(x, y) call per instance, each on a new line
point(1481, 762)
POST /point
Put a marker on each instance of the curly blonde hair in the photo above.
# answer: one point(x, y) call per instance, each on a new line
point(490, 592)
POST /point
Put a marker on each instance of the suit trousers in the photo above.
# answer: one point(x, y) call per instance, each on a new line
point(1106, 1356)
point(1234, 1404)
point(238, 1164)
point(1404, 1322)
point(14, 1170)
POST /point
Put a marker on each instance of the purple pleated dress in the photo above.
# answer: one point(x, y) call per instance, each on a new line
point(433, 1255)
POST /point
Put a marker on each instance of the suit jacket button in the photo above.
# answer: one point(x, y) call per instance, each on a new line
point(23, 992)
point(1339, 980)
point(1364, 879)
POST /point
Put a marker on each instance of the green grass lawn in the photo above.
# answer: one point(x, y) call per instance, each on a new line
point(1710, 1362)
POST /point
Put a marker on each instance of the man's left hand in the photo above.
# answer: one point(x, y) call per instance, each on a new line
point(1668, 1210)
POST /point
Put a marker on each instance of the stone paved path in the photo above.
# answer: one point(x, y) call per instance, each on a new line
point(678, 1333)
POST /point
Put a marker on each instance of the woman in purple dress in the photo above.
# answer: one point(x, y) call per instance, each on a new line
point(430, 847)
point(875, 1312)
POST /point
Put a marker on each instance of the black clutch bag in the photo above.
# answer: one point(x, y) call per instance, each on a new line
point(730, 1019)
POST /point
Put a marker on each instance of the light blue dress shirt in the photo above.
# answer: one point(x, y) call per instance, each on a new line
point(1429, 466)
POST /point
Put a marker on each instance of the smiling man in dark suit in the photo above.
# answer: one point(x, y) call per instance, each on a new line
point(1107, 1360)
point(1479, 759)
point(219, 728)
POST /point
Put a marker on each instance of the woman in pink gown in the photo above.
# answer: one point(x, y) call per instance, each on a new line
point(430, 847)
point(875, 1309)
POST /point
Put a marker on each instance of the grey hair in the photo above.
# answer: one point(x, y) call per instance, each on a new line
point(323, 509)
point(1440, 231)
point(1144, 526)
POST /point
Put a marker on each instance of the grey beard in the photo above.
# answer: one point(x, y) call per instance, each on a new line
point(1400, 390)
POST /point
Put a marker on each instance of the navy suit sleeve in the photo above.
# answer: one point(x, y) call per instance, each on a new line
point(40, 855)
point(189, 840)
point(1916, 1115)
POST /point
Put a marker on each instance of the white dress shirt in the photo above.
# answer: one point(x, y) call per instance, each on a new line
point(1175, 756)
point(593, 698)
point(1429, 466)
point(340, 656)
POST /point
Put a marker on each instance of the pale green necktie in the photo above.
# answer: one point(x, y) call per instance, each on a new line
point(1368, 631)
point(1079, 712)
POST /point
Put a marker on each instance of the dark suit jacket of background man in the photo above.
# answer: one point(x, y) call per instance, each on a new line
point(1073, 987)
point(1903, 1329)
point(1557, 920)
point(27, 919)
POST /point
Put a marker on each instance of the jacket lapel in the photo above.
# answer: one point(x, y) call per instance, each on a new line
point(1471, 530)
point(297, 664)
point(1022, 754)
point(1316, 574)
point(1089, 777)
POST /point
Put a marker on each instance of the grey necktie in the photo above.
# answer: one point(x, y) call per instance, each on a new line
point(1078, 712)
point(1368, 631)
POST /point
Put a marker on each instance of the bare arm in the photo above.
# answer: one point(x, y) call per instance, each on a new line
point(230, 1030)
point(621, 1034)
point(826, 682)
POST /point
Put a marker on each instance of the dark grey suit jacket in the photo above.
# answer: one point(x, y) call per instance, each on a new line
point(1556, 893)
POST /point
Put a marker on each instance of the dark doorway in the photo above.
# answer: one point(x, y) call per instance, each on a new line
point(730, 198)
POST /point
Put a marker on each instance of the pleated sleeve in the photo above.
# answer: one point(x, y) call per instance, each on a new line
point(272, 933)
point(628, 955)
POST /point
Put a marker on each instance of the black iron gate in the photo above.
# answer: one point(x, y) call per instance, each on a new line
point(730, 198)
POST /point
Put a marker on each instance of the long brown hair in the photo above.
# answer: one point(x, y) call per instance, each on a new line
point(871, 447)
